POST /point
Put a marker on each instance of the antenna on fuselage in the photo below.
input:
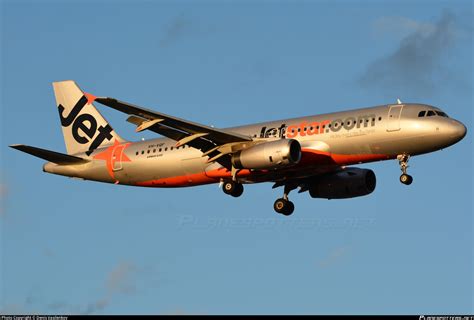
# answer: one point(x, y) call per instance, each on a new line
point(398, 101)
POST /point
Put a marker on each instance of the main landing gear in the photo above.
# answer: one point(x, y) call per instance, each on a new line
point(403, 161)
point(284, 205)
point(233, 188)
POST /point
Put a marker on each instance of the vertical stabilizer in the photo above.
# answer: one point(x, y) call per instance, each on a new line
point(84, 128)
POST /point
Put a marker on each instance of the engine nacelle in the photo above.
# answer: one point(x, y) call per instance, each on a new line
point(268, 155)
point(349, 183)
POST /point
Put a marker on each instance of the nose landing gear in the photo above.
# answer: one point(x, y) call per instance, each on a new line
point(406, 179)
point(403, 162)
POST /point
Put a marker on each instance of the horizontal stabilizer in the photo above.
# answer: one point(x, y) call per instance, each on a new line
point(51, 156)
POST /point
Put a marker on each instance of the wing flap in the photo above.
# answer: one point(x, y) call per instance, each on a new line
point(190, 138)
point(136, 120)
point(147, 124)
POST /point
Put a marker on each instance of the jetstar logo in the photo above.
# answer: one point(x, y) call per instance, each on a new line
point(307, 128)
point(273, 132)
point(84, 126)
point(114, 156)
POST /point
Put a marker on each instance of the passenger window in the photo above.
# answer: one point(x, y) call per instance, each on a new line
point(148, 151)
point(159, 150)
point(430, 113)
point(143, 152)
point(380, 118)
point(166, 149)
point(136, 153)
point(171, 148)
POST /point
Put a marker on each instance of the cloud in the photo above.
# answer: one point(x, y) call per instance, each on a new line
point(333, 257)
point(118, 281)
point(177, 29)
point(13, 309)
point(59, 305)
point(418, 64)
point(47, 252)
point(401, 26)
point(97, 306)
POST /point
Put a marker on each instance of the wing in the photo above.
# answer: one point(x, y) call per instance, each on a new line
point(213, 142)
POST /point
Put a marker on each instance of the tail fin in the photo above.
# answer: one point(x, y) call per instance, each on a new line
point(84, 128)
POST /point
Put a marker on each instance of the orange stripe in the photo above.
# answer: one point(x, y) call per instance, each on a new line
point(309, 157)
point(193, 179)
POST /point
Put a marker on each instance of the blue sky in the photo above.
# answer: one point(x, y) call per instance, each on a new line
point(81, 247)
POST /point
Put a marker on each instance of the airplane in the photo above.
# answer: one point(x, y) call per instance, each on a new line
point(312, 153)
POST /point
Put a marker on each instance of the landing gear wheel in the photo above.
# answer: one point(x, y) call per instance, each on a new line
point(239, 189)
point(284, 206)
point(406, 179)
point(290, 209)
point(233, 188)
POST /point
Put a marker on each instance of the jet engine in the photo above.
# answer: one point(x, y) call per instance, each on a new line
point(349, 183)
point(268, 155)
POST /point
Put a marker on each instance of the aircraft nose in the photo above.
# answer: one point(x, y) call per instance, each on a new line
point(457, 130)
point(461, 130)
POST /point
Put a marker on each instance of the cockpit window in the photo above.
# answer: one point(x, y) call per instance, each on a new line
point(431, 113)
